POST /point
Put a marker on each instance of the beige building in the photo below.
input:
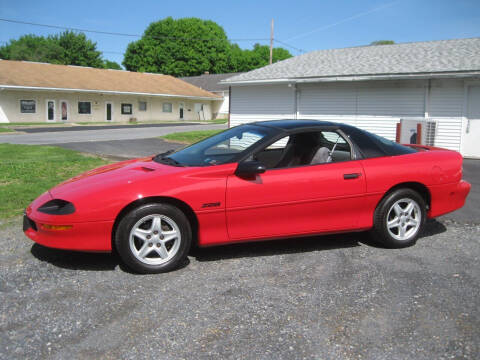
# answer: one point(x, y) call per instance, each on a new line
point(39, 92)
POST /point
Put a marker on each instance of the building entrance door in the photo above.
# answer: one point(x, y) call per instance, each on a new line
point(180, 108)
point(50, 110)
point(108, 111)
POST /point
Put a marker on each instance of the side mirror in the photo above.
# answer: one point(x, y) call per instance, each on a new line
point(249, 168)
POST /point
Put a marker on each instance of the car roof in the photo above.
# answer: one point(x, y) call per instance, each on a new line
point(289, 124)
point(365, 141)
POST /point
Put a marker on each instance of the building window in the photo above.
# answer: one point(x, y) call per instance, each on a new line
point(84, 107)
point(198, 107)
point(27, 106)
point(167, 107)
point(142, 106)
point(126, 109)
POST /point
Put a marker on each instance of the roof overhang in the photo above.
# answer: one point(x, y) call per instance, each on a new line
point(35, 88)
point(366, 77)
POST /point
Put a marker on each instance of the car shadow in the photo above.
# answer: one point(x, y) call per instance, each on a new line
point(74, 260)
point(279, 247)
point(299, 245)
point(77, 260)
point(433, 227)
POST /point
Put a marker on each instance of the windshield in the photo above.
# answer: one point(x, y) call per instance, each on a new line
point(222, 148)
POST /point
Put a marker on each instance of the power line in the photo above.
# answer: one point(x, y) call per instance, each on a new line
point(139, 35)
point(356, 16)
point(288, 45)
point(125, 34)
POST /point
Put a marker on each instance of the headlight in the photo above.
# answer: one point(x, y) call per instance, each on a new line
point(57, 207)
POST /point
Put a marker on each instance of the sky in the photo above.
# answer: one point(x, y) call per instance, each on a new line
point(303, 24)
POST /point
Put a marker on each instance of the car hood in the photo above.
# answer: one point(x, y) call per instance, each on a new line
point(111, 176)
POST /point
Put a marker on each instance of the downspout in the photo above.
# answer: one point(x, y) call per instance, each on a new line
point(295, 101)
point(428, 87)
point(229, 104)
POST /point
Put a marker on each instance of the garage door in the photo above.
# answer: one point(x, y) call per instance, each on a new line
point(257, 103)
point(375, 108)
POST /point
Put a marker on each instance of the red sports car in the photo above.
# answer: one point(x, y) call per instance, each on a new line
point(264, 180)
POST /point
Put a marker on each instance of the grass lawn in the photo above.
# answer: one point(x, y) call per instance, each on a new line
point(4, 130)
point(190, 137)
point(26, 171)
point(218, 121)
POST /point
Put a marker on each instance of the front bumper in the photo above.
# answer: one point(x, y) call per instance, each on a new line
point(82, 236)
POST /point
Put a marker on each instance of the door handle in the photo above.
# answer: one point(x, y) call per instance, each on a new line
point(351, 176)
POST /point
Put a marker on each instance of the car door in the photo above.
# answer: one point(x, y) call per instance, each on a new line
point(295, 200)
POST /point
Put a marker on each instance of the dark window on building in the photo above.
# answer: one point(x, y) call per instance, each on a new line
point(167, 107)
point(27, 106)
point(84, 107)
point(142, 106)
point(50, 110)
point(126, 109)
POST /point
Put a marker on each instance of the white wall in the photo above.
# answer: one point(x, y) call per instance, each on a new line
point(373, 106)
point(256, 103)
point(10, 105)
point(376, 106)
point(446, 108)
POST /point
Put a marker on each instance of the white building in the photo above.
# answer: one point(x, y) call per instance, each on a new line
point(39, 92)
point(372, 87)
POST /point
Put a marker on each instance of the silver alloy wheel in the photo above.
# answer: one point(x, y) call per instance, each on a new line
point(404, 219)
point(155, 239)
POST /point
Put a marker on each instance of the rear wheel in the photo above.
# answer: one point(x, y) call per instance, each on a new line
point(153, 238)
point(399, 219)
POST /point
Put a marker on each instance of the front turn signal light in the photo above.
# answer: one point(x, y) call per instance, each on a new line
point(55, 227)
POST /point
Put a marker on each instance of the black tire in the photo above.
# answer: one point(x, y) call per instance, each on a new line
point(172, 220)
point(386, 211)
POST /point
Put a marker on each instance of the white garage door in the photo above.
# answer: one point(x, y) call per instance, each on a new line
point(374, 108)
point(257, 103)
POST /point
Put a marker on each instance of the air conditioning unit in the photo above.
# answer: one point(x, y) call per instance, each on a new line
point(416, 131)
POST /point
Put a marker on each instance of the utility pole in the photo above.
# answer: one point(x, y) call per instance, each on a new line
point(271, 42)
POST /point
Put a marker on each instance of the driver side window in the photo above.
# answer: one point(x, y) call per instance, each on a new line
point(307, 148)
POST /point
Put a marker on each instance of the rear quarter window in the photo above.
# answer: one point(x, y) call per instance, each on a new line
point(371, 145)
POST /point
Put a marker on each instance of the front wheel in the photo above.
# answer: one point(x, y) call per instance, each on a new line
point(153, 238)
point(399, 219)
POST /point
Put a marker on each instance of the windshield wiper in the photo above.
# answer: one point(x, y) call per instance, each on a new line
point(161, 155)
point(165, 159)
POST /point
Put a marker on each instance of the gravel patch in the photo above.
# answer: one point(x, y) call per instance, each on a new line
point(331, 297)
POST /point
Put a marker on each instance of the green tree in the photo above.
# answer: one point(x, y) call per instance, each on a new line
point(77, 49)
point(107, 64)
point(183, 47)
point(67, 48)
point(260, 55)
point(191, 46)
point(382, 42)
point(32, 48)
